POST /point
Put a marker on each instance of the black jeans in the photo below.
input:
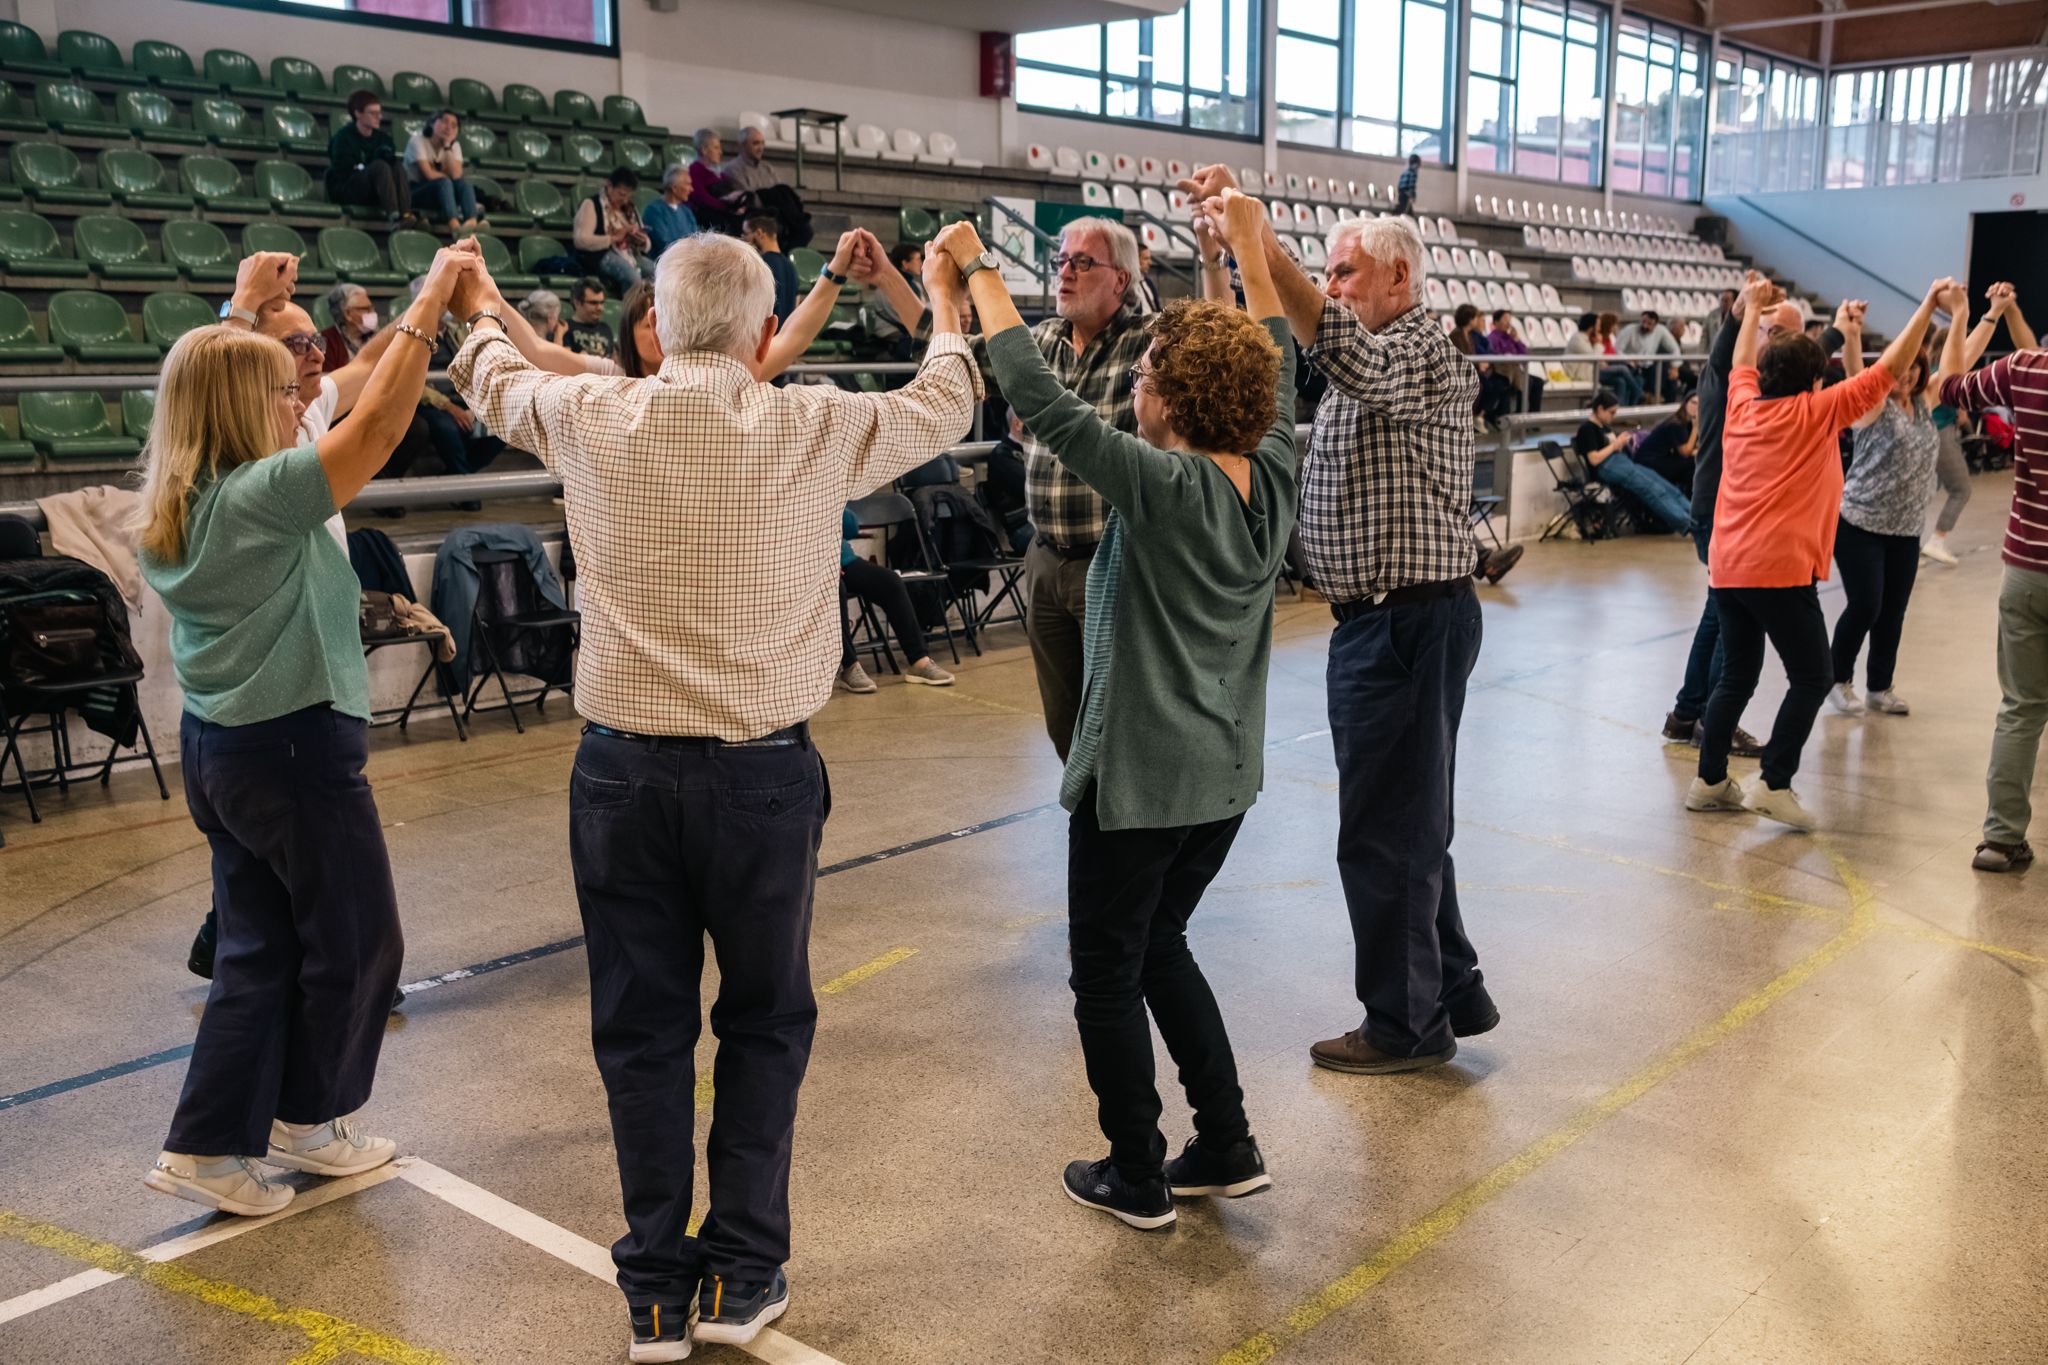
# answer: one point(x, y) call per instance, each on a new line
point(381, 183)
point(461, 452)
point(671, 840)
point(883, 587)
point(309, 944)
point(1702, 666)
point(1877, 582)
point(1790, 618)
point(1396, 681)
point(1129, 895)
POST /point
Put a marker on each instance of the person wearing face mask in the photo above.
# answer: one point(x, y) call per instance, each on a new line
point(355, 322)
point(265, 644)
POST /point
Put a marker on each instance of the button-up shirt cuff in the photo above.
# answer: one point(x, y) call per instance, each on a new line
point(956, 343)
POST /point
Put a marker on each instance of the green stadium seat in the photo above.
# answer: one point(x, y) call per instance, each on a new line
point(200, 250)
point(631, 151)
point(471, 99)
point(534, 249)
point(914, 224)
point(498, 260)
point(808, 263)
point(116, 249)
point(94, 57)
point(138, 409)
point(348, 79)
point(237, 73)
point(489, 191)
point(170, 66)
point(218, 185)
point(412, 251)
point(71, 108)
point(283, 237)
point(30, 246)
point(15, 116)
point(152, 117)
point(20, 342)
point(415, 91)
point(293, 129)
point(542, 202)
point(584, 152)
point(50, 174)
point(290, 189)
point(21, 49)
point(13, 451)
point(139, 180)
point(531, 147)
point(575, 108)
point(300, 80)
point(644, 196)
point(94, 329)
point(75, 426)
point(624, 112)
point(479, 144)
point(402, 127)
point(169, 314)
point(350, 253)
point(526, 104)
point(227, 124)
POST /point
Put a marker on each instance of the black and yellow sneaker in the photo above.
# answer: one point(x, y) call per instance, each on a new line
point(1099, 1185)
point(734, 1311)
point(661, 1331)
point(1233, 1174)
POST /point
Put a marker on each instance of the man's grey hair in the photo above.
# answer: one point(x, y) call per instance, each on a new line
point(1123, 252)
point(338, 299)
point(712, 293)
point(674, 173)
point(542, 308)
point(702, 138)
point(1386, 240)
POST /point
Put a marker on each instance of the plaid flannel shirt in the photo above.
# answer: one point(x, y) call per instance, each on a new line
point(1067, 512)
point(1386, 488)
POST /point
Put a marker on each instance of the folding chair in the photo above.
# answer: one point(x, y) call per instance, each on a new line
point(886, 512)
point(435, 669)
point(1583, 508)
point(494, 632)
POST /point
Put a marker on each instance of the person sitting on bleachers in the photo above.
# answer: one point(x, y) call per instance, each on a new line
point(669, 219)
point(542, 310)
point(762, 233)
point(1496, 394)
point(751, 172)
point(1506, 339)
point(718, 203)
point(607, 238)
point(1605, 452)
point(433, 165)
point(355, 319)
point(880, 586)
point(1667, 448)
point(887, 322)
point(589, 333)
point(362, 165)
point(1623, 379)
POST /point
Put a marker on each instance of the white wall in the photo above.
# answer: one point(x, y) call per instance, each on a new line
point(1906, 234)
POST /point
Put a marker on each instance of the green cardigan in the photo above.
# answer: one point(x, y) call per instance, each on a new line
point(1179, 632)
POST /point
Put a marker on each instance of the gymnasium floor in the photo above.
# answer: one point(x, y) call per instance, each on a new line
point(1757, 1097)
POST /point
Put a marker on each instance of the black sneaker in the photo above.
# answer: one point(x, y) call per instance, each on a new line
point(1473, 1014)
point(1232, 1174)
point(661, 1331)
point(1099, 1185)
point(735, 1311)
point(204, 943)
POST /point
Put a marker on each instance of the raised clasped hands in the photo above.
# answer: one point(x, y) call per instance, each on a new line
point(960, 243)
point(265, 278)
point(2002, 297)
point(1208, 182)
point(1849, 315)
point(1758, 293)
point(1238, 219)
point(1946, 294)
point(850, 256)
point(458, 279)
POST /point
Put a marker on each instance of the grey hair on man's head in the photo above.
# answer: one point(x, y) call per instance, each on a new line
point(1386, 240)
point(704, 137)
point(712, 293)
point(542, 307)
point(338, 298)
point(673, 174)
point(1123, 252)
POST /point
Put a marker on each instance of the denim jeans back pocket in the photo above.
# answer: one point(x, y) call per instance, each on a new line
point(790, 801)
point(598, 791)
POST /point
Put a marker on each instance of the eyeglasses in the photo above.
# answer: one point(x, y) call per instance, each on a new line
point(301, 343)
point(1141, 373)
point(1082, 264)
point(290, 390)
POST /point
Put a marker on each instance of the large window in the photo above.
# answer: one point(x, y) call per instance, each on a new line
point(1917, 125)
point(1197, 69)
point(1660, 108)
point(1766, 124)
point(1371, 76)
point(553, 23)
point(1536, 88)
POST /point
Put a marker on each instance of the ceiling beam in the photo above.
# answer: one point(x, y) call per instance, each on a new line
point(1828, 13)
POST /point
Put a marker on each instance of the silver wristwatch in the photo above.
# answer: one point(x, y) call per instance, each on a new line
point(987, 260)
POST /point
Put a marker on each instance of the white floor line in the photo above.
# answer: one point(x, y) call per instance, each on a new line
point(197, 1240)
point(566, 1246)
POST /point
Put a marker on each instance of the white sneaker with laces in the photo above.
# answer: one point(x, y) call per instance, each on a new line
point(1726, 795)
point(1937, 550)
point(1842, 696)
point(855, 679)
point(1780, 804)
point(1888, 703)
point(228, 1183)
point(336, 1147)
point(930, 674)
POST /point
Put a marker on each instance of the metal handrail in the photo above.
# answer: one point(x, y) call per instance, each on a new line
point(1042, 238)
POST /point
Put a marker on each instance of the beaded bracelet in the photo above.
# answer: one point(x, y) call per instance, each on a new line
point(407, 329)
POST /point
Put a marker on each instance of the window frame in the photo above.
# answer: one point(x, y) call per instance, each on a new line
point(1784, 83)
point(1345, 114)
point(452, 27)
point(1188, 91)
point(1683, 40)
point(1509, 81)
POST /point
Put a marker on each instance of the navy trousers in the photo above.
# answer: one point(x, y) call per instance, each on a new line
point(1397, 680)
point(310, 947)
point(672, 840)
point(1703, 665)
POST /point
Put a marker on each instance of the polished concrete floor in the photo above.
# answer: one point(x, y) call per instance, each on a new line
point(1757, 1097)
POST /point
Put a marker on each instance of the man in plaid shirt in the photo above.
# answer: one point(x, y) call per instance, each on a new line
point(1092, 344)
point(1385, 524)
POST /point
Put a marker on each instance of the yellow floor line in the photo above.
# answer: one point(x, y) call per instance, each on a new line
point(866, 969)
point(331, 1337)
point(1446, 1217)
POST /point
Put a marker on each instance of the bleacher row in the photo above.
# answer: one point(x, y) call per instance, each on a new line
point(1566, 215)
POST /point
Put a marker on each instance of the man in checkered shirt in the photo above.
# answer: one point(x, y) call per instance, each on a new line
point(704, 510)
point(1385, 524)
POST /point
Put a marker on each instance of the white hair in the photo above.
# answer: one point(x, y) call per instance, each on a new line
point(542, 308)
point(712, 293)
point(338, 298)
point(1123, 252)
point(703, 137)
point(672, 174)
point(1386, 240)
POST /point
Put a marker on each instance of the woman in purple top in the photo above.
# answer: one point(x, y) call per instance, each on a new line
point(719, 204)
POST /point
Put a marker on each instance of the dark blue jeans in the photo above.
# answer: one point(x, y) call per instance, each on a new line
point(1791, 620)
point(1397, 680)
point(672, 840)
point(1703, 665)
point(310, 947)
point(1661, 496)
point(450, 201)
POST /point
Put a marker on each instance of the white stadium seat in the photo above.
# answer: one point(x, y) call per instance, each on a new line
point(1496, 295)
point(771, 131)
point(946, 145)
point(904, 145)
point(1313, 253)
point(1095, 194)
point(1456, 289)
point(1123, 196)
point(1282, 216)
point(1516, 299)
point(1038, 157)
point(1178, 206)
point(1095, 165)
point(1434, 293)
point(1066, 161)
point(1177, 170)
point(1153, 201)
point(1250, 180)
point(1304, 217)
point(1123, 166)
point(1151, 170)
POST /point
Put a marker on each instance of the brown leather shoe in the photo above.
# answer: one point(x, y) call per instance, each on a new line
point(1353, 1054)
point(1743, 744)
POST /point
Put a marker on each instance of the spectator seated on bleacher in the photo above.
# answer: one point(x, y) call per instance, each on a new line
point(1623, 379)
point(445, 427)
point(606, 236)
point(433, 168)
point(750, 172)
point(542, 310)
point(719, 204)
point(1147, 286)
point(362, 164)
point(1468, 333)
point(355, 320)
point(885, 322)
point(1605, 452)
point(1649, 339)
point(588, 333)
point(760, 233)
point(1506, 339)
point(669, 219)
point(1666, 449)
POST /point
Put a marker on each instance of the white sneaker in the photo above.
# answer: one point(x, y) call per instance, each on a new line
point(1888, 703)
point(336, 1147)
point(930, 674)
point(229, 1183)
point(1727, 795)
point(1781, 805)
point(1937, 550)
point(1842, 696)
point(854, 678)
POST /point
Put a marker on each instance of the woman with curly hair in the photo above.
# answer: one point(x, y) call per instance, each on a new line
point(1166, 756)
